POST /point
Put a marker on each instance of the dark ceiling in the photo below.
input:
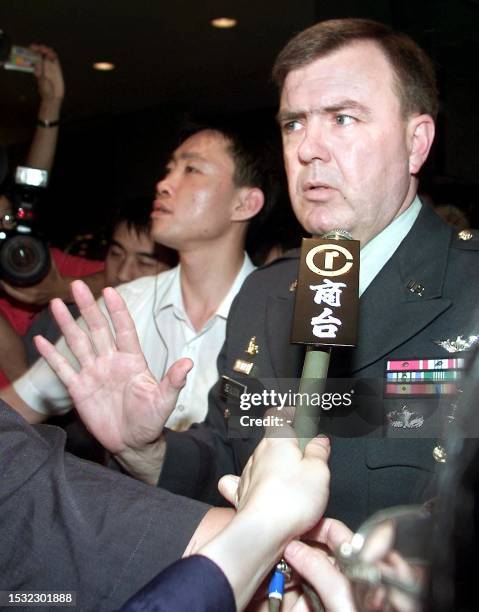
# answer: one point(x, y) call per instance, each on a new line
point(166, 52)
point(169, 57)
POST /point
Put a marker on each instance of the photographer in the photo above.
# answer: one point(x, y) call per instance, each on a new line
point(21, 303)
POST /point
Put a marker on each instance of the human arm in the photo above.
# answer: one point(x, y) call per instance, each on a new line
point(51, 89)
point(115, 376)
point(266, 520)
point(193, 450)
point(111, 534)
point(281, 495)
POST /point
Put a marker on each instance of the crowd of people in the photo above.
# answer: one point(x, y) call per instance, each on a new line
point(156, 367)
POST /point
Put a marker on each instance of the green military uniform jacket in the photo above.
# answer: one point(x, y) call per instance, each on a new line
point(374, 465)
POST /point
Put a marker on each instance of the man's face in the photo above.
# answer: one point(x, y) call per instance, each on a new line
point(346, 144)
point(194, 201)
point(130, 255)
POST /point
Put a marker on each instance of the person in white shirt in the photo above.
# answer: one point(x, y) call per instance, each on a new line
point(216, 181)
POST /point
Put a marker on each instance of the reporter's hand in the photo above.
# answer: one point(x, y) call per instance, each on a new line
point(115, 393)
point(281, 494)
point(317, 567)
point(279, 481)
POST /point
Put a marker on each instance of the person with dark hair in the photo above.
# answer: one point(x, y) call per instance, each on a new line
point(355, 133)
point(131, 254)
point(217, 180)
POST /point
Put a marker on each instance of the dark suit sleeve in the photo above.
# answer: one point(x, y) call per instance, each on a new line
point(194, 583)
point(71, 525)
point(197, 458)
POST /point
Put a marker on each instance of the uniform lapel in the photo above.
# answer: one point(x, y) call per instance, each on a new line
point(286, 358)
point(390, 313)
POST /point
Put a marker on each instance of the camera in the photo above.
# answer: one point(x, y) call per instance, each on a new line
point(13, 57)
point(24, 255)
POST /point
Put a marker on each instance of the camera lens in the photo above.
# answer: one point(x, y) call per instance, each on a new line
point(24, 260)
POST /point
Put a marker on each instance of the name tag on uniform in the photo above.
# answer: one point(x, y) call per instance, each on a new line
point(231, 389)
point(242, 366)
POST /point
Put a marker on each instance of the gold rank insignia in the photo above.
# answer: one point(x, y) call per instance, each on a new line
point(252, 348)
point(243, 367)
point(292, 287)
point(465, 235)
point(439, 453)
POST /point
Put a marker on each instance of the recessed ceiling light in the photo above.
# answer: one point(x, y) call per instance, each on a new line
point(105, 66)
point(223, 22)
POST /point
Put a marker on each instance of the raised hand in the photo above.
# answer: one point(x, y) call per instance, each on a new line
point(115, 393)
point(48, 72)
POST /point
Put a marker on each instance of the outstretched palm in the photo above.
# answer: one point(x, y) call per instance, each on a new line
point(114, 391)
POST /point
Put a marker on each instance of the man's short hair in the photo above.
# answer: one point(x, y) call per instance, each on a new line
point(415, 77)
point(135, 213)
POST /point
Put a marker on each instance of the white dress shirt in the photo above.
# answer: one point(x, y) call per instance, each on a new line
point(166, 334)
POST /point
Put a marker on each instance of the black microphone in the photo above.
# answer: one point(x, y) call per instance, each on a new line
point(325, 315)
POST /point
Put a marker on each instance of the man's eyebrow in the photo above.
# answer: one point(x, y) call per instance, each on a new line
point(336, 107)
point(285, 115)
point(117, 244)
point(137, 253)
point(190, 155)
point(347, 104)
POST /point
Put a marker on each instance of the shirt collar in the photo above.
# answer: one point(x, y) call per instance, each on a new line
point(172, 297)
point(381, 248)
point(247, 267)
point(171, 291)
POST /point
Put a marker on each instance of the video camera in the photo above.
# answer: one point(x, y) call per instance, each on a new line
point(24, 256)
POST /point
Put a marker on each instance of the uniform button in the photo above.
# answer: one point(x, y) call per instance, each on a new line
point(439, 454)
point(465, 235)
point(181, 408)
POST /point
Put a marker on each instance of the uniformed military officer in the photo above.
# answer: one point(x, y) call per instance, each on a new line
point(357, 110)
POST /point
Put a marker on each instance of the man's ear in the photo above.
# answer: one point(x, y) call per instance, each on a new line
point(420, 134)
point(249, 202)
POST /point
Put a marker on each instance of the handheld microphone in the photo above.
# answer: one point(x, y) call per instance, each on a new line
point(325, 315)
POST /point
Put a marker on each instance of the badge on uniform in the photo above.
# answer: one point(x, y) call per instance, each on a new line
point(252, 348)
point(231, 389)
point(458, 345)
point(422, 377)
point(405, 418)
point(243, 367)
